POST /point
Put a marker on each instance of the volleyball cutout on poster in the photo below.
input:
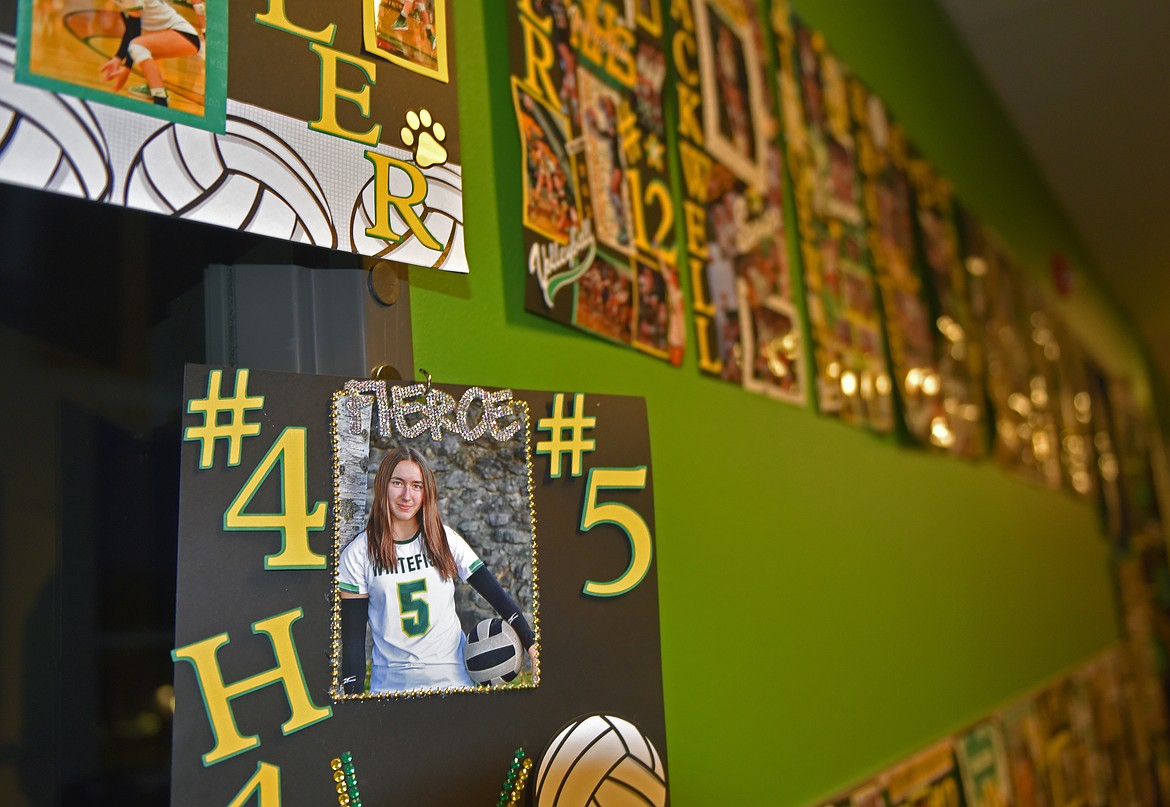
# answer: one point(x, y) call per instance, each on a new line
point(600, 759)
point(330, 510)
point(597, 208)
point(329, 125)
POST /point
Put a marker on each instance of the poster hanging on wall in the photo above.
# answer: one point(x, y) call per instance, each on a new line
point(1025, 430)
point(930, 777)
point(884, 156)
point(1078, 455)
point(869, 795)
point(1113, 759)
point(849, 349)
point(546, 495)
point(1025, 742)
point(962, 427)
point(983, 766)
point(747, 326)
point(597, 210)
point(324, 124)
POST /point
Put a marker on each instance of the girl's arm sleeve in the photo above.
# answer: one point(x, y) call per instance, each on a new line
point(354, 615)
point(483, 581)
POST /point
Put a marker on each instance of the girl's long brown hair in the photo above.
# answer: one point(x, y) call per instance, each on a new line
point(379, 535)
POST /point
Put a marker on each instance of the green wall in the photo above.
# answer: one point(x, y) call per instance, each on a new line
point(830, 602)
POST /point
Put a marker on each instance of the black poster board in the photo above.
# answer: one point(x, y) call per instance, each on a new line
point(598, 654)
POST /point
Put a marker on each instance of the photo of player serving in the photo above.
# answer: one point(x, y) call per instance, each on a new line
point(398, 576)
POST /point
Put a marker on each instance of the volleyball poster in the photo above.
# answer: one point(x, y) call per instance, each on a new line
point(747, 326)
point(885, 157)
point(333, 125)
point(291, 488)
point(930, 777)
point(983, 763)
point(963, 425)
point(853, 381)
point(1025, 435)
point(597, 209)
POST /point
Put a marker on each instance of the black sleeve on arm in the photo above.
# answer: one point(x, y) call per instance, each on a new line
point(133, 30)
point(355, 613)
point(483, 581)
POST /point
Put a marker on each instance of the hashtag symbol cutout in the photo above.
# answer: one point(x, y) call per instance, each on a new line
point(234, 430)
point(556, 426)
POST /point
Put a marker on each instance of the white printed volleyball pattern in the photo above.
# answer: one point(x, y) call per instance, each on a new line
point(600, 761)
point(268, 174)
point(49, 141)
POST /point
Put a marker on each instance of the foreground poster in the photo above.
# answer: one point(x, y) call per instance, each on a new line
point(550, 492)
point(598, 214)
point(326, 124)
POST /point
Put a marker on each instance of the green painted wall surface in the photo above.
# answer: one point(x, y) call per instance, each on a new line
point(830, 602)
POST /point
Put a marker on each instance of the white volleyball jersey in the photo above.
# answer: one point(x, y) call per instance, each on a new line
point(158, 16)
point(412, 609)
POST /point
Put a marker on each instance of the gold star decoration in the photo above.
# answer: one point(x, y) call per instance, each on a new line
point(655, 151)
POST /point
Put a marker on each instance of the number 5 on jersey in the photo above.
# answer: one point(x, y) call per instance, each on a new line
point(416, 614)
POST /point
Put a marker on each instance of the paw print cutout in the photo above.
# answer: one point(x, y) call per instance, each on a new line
point(425, 136)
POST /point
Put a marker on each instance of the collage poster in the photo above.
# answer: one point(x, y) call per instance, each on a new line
point(1026, 440)
point(962, 428)
point(1112, 497)
point(983, 765)
point(333, 125)
point(1096, 735)
point(1078, 455)
point(598, 215)
point(748, 329)
point(853, 381)
point(549, 495)
point(884, 155)
point(931, 777)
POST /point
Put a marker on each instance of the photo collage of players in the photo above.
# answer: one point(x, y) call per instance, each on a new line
point(853, 379)
point(961, 428)
point(891, 306)
point(884, 159)
point(1026, 434)
point(1084, 738)
point(746, 323)
point(598, 215)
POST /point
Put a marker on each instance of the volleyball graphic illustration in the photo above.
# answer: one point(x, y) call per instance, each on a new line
point(493, 652)
point(246, 178)
point(441, 214)
point(600, 761)
point(48, 141)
